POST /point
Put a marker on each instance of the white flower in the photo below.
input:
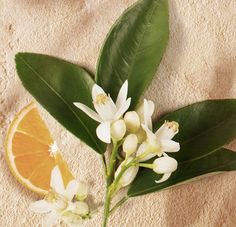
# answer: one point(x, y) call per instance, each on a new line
point(128, 175)
point(164, 165)
point(58, 201)
point(106, 110)
point(161, 141)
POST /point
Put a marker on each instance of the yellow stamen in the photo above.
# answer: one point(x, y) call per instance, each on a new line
point(173, 125)
point(101, 99)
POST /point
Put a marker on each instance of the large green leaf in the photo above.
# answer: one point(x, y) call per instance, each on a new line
point(134, 48)
point(56, 84)
point(204, 128)
point(220, 161)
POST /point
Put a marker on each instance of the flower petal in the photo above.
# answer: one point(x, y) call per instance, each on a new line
point(104, 132)
point(51, 219)
point(56, 182)
point(40, 206)
point(106, 111)
point(88, 111)
point(96, 90)
point(164, 178)
point(169, 146)
point(148, 111)
point(167, 131)
point(71, 189)
point(141, 150)
point(123, 109)
point(122, 96)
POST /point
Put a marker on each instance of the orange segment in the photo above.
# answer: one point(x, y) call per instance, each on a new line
point(29, 151)
point(33, 125)
point(24, 144)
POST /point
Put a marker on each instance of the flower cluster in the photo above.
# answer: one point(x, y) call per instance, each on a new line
point(66, 204)
point(132, 131)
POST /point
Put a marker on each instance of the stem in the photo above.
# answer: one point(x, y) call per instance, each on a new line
point(109, 177)
point(146, 165)
point(118, 204)
point(106, 208)
point(110, 169)
point(115, 184)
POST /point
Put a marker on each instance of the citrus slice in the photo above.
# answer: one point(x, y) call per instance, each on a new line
point(31, 152)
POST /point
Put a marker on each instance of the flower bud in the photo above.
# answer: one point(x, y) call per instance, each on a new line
point(128, 175)
point(81, 208)
point(130, 144)
point(118, 130)
point(165, 165)
point(72, 219)
point(82, 191)
point(132, 121)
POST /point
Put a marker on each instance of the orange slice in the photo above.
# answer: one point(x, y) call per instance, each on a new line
point(31, 153)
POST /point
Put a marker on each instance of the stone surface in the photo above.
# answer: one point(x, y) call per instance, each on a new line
point(200, 63)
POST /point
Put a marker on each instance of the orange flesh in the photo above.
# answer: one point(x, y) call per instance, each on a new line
point(30, 154)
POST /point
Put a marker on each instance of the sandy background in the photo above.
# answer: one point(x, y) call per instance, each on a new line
point(200, 63)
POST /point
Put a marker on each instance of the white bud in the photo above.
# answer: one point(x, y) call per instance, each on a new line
point(82, 191)
point(81, 208)
point(165, 165)
point(118, 130)
point(130, 144)
point(132, 121)
point(128, 175)
point(72, 219)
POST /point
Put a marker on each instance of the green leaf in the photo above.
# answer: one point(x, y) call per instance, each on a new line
point(220, 161)
point(56, 84)
point(204, 128)
point(134, 48)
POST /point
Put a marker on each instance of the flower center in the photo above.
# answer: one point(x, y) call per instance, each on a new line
point(53, 149)
point(59, 202)
point(101, 99)
point(173, 125)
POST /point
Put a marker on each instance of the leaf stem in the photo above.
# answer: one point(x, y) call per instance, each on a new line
point(118, 204)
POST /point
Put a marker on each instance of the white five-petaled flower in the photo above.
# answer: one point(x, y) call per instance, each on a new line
point(161, 141)
point(158, 143)
point(58, 203)
point(106, 110)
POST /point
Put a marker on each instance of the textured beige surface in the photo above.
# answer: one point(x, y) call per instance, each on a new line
point(199, 64)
